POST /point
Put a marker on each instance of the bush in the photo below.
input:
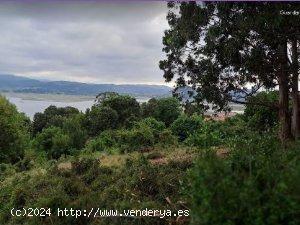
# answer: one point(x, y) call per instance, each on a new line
point(53, 141)
point(185, 125)
point(166, 110)
point(14, 134)
point(136, 139)
point(259, 117)
point(140, 139)
point(100, 118)
point(204, 138)
point(104, 142)
point(166, 138)
point(127, 108)
point(52, 116)
point(73, 127)
point(256, 184)
point(156, 126)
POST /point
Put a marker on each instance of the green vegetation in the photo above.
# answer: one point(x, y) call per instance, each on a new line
point(222, 171)
point(257, 183)
point(13, 134)
point(166, 154)
point(261, 117)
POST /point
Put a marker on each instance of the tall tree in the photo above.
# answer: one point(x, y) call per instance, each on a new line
point(222, 49)
point(295, 89)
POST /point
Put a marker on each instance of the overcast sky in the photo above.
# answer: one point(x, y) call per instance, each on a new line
point(80, 41)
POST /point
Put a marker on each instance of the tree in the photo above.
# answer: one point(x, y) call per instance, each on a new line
point(220, 48)
point(14, 133)
point(185, 125)
point(101, 118)
point(127, 108)
point(73, 127)
point(53, 141)
point(148, 108)
point(164, 109)
point(258, 117)
point(52, 116)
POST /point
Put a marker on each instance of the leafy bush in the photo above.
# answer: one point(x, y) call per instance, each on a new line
point(156, 126)
point(100, 118)
point(73, 127)
point(261, 113)
point(166, 138)
point(127, 108)
point(87, 184)
point(185, 125)
point(143, 135)
point(52, 116)
point(256, 184)
point(135, 139)
point(166, 110)
point(53, 141)
point(14, 133)
point(203, 138)
point(104, 142)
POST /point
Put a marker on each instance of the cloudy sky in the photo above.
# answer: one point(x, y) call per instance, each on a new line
point(80, 41)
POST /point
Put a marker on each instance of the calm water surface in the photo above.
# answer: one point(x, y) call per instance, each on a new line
point(30, 107)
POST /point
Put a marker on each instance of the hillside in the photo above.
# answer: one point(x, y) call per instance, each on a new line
point(27, 85)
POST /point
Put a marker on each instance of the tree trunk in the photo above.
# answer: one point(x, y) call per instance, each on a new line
point(284, 115)
point(295, 95)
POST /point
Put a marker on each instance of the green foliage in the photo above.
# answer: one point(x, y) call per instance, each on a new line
point(166, 138)
point(127, 108)
point(104, 142)
point(204, 137)
point(53, 141)
point(256, 184)
point(206, 52)
point(140, 139)
point(156, 126)
point(14, 132)
point(185, 125)
point(101, 118)
point(88, 184)
point(73, 127)
point(261, 113)
point(166, 110)
point(52, 116)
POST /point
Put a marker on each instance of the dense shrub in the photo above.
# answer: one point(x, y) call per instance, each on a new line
point(164, 109)
point(156, 126)
point(127, 108)
point(260, 112)
point(73, 127)
point(185, 125)
point(139, 138)
point(53, 141)
point(13, 134)
point(135, 139)
point(87, 184)
point(100, 118)
point(52, 116)
point(256, 184)
point(204, 137)
point(104, 142)
point(166, 138)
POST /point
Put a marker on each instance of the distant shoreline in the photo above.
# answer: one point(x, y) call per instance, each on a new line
point(49, 97)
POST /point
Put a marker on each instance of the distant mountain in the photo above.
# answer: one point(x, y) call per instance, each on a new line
point(27, 85)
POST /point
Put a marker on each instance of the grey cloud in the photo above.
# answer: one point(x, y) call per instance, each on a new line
point(83, 41)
